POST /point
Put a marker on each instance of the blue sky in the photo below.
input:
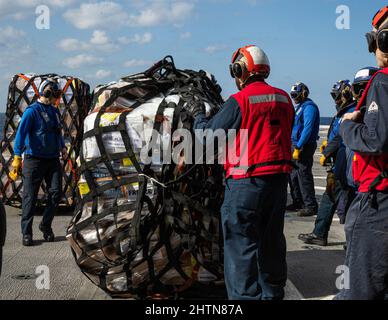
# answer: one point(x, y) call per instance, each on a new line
point(100, 41)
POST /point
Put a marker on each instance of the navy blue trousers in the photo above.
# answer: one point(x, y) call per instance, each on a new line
point(302, 179)
point(255, 246)
point(326, 211)
point(367, 253)
point(34, 172)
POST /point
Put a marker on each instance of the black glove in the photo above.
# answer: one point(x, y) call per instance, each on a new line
point(196, 108)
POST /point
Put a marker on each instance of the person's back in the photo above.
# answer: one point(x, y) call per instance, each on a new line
point(256, 184)
point(266, 112)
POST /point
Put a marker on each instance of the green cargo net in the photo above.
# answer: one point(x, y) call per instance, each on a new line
point(143, 229)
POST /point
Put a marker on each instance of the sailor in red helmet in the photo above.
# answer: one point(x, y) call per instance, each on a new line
point(366, 132)
point(256, 191)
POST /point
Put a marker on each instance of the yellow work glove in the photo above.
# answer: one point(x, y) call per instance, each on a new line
point(322, 161)
point(16, 168)
point(323, 146)
point(296, 155)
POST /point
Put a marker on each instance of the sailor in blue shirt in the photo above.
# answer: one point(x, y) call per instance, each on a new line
point(304, 140)
point(39, 138)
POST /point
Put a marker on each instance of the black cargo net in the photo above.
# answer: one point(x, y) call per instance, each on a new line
point(73, 106)
point(145, 229)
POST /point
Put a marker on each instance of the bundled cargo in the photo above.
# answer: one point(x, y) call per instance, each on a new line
point(74, 105)
point(147, 227)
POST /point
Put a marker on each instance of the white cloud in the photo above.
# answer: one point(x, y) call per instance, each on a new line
point(71, 44)
point(13, 47)
point(112, 14)
point(185, 35)
point(137, 38)
point(102, 74)
point(9, 36)
point(98, 41)
point(81, 60)
point(99, 38)
point(19, 8)
point(137, 63)
point(212, 49)
point(94, 15)
point(162, 12)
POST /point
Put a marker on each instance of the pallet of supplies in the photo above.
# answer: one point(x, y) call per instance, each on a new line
point(147, 227)
point(74, 105)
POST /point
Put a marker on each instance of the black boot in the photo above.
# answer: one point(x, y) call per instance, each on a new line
point(294, 207)
point(307, 212)
point(48, 233)
point(27, 240)
point(311, 238)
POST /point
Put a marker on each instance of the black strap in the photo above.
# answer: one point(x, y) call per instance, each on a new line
point(379, 179)
point(273, 163)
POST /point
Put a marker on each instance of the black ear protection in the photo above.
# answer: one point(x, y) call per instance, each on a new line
point(48, 93)
point(51, 91)
point(238, 69)
point(347, 94)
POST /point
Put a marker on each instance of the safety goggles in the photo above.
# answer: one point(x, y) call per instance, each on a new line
point(377, 40)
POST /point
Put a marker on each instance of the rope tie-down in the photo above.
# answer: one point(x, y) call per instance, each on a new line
point(73, 105)
point(147, 229)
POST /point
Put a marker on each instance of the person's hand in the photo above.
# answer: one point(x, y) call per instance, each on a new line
point(322, 161)
point(323, 146)
point(65, 155)
point(354, 116)
point(16, 168)
point(196, 108)
point(296, 155)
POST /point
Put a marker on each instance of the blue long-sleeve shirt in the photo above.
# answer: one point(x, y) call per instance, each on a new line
point(39, 132)
point(228, 118)
point(306, 125)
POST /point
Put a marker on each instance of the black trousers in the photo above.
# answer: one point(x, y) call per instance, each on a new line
point(302, 179)
point(34, 171)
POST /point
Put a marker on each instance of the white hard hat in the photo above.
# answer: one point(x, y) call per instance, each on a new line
point(257, 61)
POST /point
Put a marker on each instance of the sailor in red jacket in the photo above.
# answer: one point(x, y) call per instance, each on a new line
point(256, 184)
point(366, 133)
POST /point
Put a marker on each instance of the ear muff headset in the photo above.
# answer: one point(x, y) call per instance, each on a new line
point(238, 69)
point(379, 39)
point(49, 89)
point(347, 94)
point(299, 91)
